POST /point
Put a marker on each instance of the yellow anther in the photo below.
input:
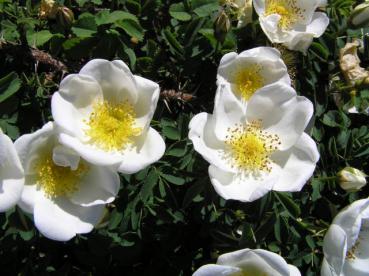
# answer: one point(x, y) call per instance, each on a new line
point(250, 147)
point(248, 80)
point(112, 126)
point(56, 180)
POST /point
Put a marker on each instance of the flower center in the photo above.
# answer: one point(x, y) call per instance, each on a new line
point(287, 9)
point(57, 180)
point(248, 81)
point(251, 147)
point(111, 126)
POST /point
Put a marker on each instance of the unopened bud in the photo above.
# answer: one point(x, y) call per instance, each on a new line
point(221, 26)
point(351, 179)
point(65, 17)
point(134, 40)
point(48, 9)
point(359, 17)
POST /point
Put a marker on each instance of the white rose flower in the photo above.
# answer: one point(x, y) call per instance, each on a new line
point(259, 148)
point(65, 193)
point(11, 174)
point(251, 70)
point(104, 113)
point(257, 262)
point(291, 22)
point(346, 244)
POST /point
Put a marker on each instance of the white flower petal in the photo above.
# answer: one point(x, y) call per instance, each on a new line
point(228, 111)
point(28, 146)
point(281, 112)
point(256, 262)
point(294, 271)
point(225, 65)
point(259, 6)
point(11, 174)
point(28, 198)
point(100, 185)
point(115, 79)
point(148, 96)
point(73, 103)
point(147, 149)
point(61, 220)
point(318, 25)
point(90, 153)
point(201, 133)
point(350, 219)
point(307, 9)
point(65, 157)
point(216, 270)
point(298, 41)
point(334, 247)
point(298, 164)
point(241, 187)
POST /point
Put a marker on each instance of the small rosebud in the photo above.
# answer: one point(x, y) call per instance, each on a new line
point(48, 9)
point(221, 26)
point(65, 17)
point(134, 40)
point(360, 16)
point(351, 179)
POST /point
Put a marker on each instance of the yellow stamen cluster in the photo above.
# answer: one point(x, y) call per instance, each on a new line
point(111, 126)
point(251, 147)
point(56, 180)
point(248, 80)
point(351, 255)
point(288, 10)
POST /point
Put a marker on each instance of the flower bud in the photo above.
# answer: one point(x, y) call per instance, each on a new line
point(65, 17)
point(221, 26)
point(48, 9)
point(360, 15)
point(351, 179)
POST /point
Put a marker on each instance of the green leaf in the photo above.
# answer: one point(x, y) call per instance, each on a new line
point(173, 43)
point(9, 85)
point(178, 12)
point(207, 10)
point(39, 38)
point(132, 28)
point(105, 17)
point(148, 185)
point(192, 192)
point(173, 179)
point(171, 133)
point(288, 203)
point(85, 26)
point(336, 118)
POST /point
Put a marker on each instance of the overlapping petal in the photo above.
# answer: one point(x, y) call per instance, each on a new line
point(110, 84)
point(58, 213)
point(281, 114)
point(11, 174)
point(300, 23)
point(346, 247)
point(249, 262)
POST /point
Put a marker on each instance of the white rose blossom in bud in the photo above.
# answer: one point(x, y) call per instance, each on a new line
point(346, 243)
point(65, 193)
point(351, 179)
point(11, 174)
point(294, 23)
point(257, 262)
point(104, 114)
point(259, 148)
point(251, 70)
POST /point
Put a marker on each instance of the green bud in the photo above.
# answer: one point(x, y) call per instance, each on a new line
point(351, 179)
point(359, 17)
point(221, 26)
point(65, 17)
